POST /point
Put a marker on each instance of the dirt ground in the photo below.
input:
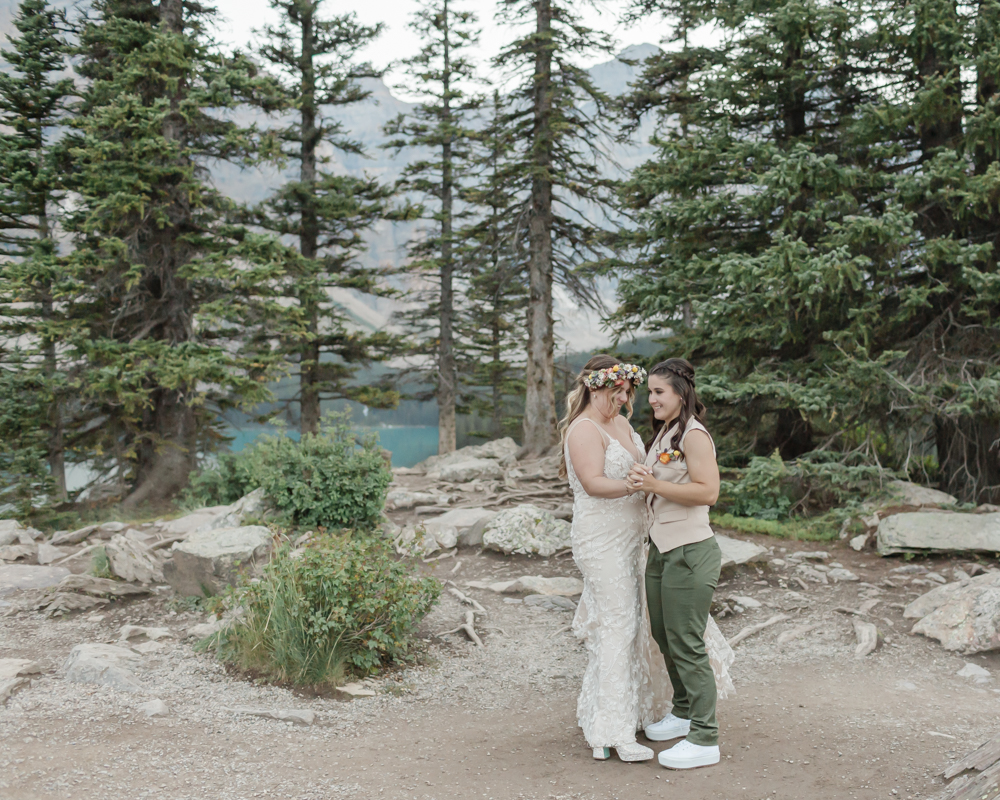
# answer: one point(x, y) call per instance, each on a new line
point(498, 723)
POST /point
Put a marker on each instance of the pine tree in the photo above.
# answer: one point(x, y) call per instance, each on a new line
point(175, 307)
point(439, 126)
point(816, 205)
point(327, 213)
point(33, 108)
point(558, 123)
point(494, 253)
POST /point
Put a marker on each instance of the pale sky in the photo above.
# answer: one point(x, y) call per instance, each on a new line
point(238, 19)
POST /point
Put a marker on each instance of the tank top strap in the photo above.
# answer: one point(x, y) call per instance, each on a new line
point(604, 434)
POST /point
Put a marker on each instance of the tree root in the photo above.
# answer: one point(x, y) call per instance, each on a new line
point(464, 599)
point(468, 629)
point(752, 629)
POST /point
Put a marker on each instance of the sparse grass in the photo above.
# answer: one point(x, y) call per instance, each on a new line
point(99, 565)
point(822, 528)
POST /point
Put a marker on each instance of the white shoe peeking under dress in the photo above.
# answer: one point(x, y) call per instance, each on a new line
point(670, 727)
point(626, 752)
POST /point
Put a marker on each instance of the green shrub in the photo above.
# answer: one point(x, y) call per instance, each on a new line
point(816, 529)
point(334, 479)
point(772, 489)
point(344, 602)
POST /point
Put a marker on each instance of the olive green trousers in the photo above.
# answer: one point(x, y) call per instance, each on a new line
point(679, 588)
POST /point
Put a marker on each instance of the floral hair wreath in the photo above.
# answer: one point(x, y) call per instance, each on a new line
point(615, 376)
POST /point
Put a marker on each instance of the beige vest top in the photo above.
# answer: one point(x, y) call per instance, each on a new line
point(673, 525)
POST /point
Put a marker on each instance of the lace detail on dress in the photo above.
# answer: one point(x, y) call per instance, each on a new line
point(625, 685)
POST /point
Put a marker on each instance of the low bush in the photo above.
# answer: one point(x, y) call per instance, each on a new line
point(823, 528)
point(772, 489)
point(333, 479)
point(343, 603)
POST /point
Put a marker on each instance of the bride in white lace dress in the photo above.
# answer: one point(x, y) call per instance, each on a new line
point(625, 686)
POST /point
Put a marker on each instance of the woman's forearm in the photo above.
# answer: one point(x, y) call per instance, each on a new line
point(606, 488)
point(686, 494)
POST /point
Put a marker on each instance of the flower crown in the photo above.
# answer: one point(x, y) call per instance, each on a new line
point(615, 376)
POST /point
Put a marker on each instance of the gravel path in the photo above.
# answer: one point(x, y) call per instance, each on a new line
point(809, 720)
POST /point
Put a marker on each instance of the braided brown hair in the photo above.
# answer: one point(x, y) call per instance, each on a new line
point(679, 373)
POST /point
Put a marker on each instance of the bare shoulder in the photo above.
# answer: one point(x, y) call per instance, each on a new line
point(699, 440)
point(585, 433)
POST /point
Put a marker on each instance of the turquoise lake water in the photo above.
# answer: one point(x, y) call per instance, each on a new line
point(407, 443)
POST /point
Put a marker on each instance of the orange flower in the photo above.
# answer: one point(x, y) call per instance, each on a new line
point(664, 457)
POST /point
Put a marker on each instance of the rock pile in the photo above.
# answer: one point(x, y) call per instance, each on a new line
point(526, 529)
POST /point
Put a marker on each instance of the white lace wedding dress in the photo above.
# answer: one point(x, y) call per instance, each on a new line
point(625, 686)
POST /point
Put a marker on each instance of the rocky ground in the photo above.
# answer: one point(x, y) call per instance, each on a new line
point(810, 719)
point(103, 693)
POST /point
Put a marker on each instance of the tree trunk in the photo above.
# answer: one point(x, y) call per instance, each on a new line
point(496, 372)
point(539, 401)
point(167, 441)
point(447, 387)
point(968, 451)
point(309, 394)
point(56, 446)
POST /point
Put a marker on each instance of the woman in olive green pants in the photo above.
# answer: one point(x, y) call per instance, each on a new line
point(681, 480)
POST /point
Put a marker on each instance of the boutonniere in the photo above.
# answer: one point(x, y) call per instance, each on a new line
point(670, 455)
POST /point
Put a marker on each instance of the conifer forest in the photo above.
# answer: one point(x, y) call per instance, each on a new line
point(814, 223)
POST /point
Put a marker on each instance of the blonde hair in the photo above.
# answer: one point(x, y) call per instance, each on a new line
point(579, 398)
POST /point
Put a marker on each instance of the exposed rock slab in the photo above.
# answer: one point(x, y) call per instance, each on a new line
point(968, 619)
point(929, 531)
point(18, 668)
point(250, 506)
point(209, 560)
point(12, 531)
point(502, 451)
point(550, 602)
point(28, 576)
point(905, 493)
point(736, 551)
point(398, 499)
point(104, 665)
point(468, 524)
point(47, 553)
point(468, 470)
point(18, 552)
point(73, 537)
point(526, 529)
point(131, 560)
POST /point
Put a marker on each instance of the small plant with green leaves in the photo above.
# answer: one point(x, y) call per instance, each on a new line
point(331, 479)
point(344, 604)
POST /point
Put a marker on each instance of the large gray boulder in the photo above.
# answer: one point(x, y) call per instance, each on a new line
point(469, 469)
point(131, 560)
point(207, 561)
point(968, 619)
point(736, 551)
point(398, 499)
point(468, 524)
point(905, 493)
point(503, 451)
point(937, 531)
point(526, 529)
point(12, 531)
point(104, 665)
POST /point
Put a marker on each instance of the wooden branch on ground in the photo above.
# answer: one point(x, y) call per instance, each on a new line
point(986, 761)
point(796, 633)
point(468, 628)
point(752, 629)
point(86, 549)
point(454, 569)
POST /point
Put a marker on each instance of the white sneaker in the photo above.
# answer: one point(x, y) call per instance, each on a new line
point(687, 755)
point(626, 752)
point(670, 727)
